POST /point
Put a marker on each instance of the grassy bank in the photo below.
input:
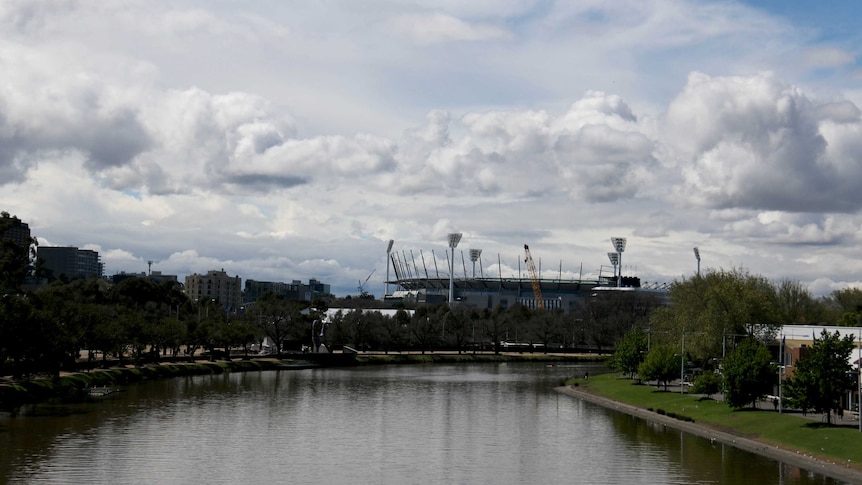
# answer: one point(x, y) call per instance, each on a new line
point(841, 443)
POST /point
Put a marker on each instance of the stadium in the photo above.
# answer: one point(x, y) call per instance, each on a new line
point(417, 284)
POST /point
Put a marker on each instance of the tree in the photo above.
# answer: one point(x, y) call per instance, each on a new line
point(796, 305)
point(823, 376)
point(707, 383)
point(630, 352)
point(280, 319)
point(748, 373)
point(660, 365)
point(844, 307)
point(423, 330)
point(718, 305)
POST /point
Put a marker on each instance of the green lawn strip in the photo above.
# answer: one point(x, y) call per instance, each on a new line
point(788, 430)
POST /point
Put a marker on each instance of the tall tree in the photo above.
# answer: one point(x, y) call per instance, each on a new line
point(796, 305)
point(630, 352)
point(823, 376)
point(748, 373)
point(716, 308)
point(844, 307)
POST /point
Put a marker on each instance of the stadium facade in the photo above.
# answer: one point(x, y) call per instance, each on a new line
point(568, 295)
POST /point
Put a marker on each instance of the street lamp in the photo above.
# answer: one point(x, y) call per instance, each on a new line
point(474, 256)
point(454, 239)
point(682, 367)
point(697, 257)
point(620, 245)
point(615, 260)
point(388, 261)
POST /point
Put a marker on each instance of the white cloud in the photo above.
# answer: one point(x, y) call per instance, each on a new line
point(287, 143)
point(438, 27)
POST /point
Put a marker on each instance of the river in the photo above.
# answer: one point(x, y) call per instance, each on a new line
point(414, 424)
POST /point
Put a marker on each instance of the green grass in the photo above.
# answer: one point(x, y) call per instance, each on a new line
point(789, 430)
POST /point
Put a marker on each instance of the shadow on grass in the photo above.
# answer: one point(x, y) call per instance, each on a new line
point(820, 425)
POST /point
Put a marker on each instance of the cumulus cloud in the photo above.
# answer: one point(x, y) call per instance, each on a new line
point(272, 142)
point(761, 143)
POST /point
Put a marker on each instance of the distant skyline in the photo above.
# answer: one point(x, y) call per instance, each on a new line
point(292, 140)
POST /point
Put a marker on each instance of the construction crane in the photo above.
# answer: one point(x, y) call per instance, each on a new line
point(534, 279)
point(362, 292)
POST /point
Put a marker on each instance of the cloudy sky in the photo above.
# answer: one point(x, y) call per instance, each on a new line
point(284, 140)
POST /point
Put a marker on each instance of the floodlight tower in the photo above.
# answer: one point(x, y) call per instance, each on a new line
point(697, 257)
point(620, 245)
point(474, 256)
point(388, 262)
point(454, 239)
point(615, 260)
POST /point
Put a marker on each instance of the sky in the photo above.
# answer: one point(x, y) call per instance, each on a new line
point(287, 140)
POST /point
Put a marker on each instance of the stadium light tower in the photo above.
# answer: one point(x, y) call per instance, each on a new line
point(697, 257)
point(454, 239)
point(474, 256)
point(615, 260)
point(620, 245)
point(388, 262)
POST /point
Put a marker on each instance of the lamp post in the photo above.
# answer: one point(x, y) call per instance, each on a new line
point(388, 261)
point(682, 366)
point(474, 256)
point(620, 245)
point(682, 362)
point(615, 260)
point(697, 257)
point(454, 239)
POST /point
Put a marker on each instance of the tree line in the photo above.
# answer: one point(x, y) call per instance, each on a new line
point(719, 332)
point(87, 323)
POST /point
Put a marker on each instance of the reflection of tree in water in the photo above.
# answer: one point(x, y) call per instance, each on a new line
point(695, 456)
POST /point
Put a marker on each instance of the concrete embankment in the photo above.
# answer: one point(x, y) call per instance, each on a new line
point(793, 457)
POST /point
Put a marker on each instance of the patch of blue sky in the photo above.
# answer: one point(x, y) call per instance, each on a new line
point(831, 21)
point(136, 194)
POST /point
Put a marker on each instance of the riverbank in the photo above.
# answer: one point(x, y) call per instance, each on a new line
point(823, 464)
point(75, 385)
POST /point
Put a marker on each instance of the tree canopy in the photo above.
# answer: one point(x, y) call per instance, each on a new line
point(716, 308)
point(823, 376)
point(748, 373)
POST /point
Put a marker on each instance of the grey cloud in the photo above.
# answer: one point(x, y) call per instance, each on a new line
point(266, 183)
point(115, 140)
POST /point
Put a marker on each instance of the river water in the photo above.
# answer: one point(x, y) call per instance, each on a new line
point(421, 424)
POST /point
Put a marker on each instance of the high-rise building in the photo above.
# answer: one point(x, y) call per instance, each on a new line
point(294, 290)
point(218, 286)
point(70, 261)
point(16, 231)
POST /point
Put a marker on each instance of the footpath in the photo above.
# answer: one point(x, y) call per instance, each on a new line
point(838, 471)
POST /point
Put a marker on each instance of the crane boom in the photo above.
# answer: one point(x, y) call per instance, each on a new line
point(534, 279)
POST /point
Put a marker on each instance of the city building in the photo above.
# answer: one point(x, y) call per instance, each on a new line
point(70, 262)
point(295, 290)
point(216, 285)
point(155, 276)
point(18, 232)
